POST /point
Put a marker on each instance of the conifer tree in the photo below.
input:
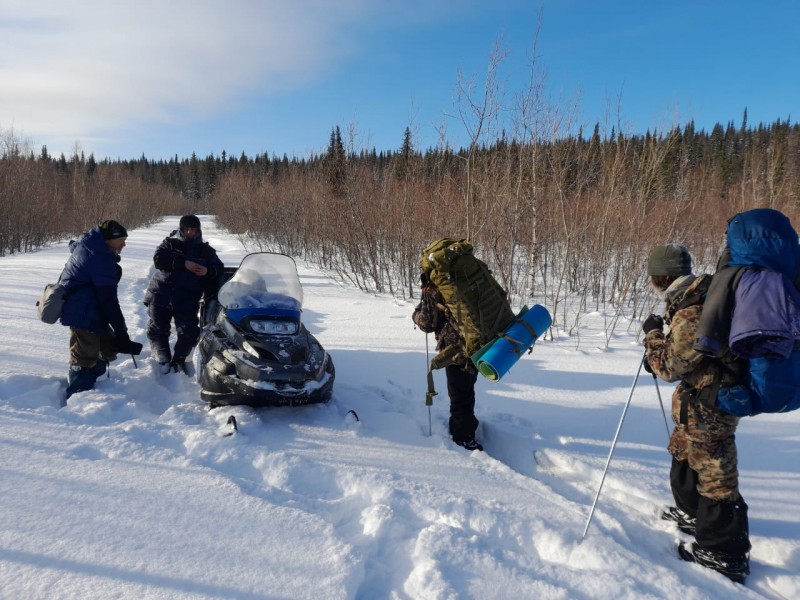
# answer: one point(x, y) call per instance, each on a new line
point(335, 164)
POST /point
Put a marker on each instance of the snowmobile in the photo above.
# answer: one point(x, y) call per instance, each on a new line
point(254, 349)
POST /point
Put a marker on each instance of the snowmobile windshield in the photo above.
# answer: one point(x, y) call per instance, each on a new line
point(265, 284)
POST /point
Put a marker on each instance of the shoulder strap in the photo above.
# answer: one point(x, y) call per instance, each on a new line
point(694, 295)
point(714, 327)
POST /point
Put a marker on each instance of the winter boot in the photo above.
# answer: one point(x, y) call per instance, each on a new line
point(179, 365)
point(735, 567)
point(161, 353)
point(99, 368)
point(685, 522)
point(80, 379)
point(471, 444)
point(165, 367)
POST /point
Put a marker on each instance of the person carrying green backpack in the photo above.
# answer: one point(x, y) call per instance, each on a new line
point(464, 307)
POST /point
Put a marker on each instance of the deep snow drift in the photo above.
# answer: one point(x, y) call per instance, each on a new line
point(132, 490)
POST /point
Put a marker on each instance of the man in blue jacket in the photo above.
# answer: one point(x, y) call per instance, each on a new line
point(91, 309)
point(186, 268)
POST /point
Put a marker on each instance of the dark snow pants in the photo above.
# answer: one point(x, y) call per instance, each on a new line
point(159, 327)
point(461, 389)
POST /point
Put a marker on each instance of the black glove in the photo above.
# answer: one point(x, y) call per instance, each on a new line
point(424, 280)
point(653, 322)
point(647, 366)
point(126, 345)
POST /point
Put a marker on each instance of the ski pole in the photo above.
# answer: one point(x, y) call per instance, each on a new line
point(663, 412)
point(428, 399)
point(611, 452)
point(660, 401)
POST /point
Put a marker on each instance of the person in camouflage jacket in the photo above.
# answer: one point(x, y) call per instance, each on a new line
point(703, 475)
point(432, 316)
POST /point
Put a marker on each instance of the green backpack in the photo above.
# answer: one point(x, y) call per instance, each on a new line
point(477, 303)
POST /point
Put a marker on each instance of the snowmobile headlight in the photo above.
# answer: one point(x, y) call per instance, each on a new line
point(250, 349)
point(274, 326)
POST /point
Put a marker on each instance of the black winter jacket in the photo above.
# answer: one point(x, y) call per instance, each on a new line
point(175, 287)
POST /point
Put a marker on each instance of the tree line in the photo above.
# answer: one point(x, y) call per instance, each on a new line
point(557, 216)
point(44, 199)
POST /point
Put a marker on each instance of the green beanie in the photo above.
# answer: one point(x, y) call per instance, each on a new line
point(671, 259)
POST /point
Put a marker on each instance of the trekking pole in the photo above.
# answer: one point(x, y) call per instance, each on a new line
point(663, 412)
point(611, 452)
point(135, 366)
point(428, 399)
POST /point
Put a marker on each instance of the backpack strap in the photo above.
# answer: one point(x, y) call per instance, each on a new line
point(431, 391)
point(683, 419)
point(446, 357)
point(518, 346)
point(442, 359)
point(695, 294)
point(714, 327)
point(706, 396)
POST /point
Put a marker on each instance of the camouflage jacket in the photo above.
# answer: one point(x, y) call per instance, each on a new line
point(431, 316)
point(672, 356)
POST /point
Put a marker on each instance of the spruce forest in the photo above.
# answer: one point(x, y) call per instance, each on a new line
point(555, 216)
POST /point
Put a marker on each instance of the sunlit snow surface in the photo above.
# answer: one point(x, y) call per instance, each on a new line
point(134, 491)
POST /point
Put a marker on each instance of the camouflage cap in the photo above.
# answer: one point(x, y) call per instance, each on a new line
point(671, 259)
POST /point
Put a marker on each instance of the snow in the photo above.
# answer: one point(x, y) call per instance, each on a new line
point(133, 491)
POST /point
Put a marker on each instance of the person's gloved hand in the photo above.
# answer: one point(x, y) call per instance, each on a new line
point(195, 267)
point(424, 280)
point(647, 366)
point(126, 345)
point(653, 322)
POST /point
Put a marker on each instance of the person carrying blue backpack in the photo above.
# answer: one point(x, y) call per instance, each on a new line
point(734, 343)
point(703, 475)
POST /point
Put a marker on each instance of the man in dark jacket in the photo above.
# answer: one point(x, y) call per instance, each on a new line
point(704, 476)
point(186, 267)
point(91, 309)
point(431, 315)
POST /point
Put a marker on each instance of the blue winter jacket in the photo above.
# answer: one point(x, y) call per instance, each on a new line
point(90, 277)
point(172, 285)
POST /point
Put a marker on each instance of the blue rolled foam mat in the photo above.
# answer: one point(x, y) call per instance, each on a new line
point(498, 356)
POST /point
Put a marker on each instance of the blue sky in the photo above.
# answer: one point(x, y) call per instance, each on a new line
point(122, 79)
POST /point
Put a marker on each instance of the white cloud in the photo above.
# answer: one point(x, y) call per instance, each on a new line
point(80, 69)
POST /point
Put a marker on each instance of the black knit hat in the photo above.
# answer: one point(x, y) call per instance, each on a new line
point(189, 221)
point(112, 230)
point(671, 259)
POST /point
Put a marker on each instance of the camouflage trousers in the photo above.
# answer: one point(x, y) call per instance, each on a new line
point(706, 439)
